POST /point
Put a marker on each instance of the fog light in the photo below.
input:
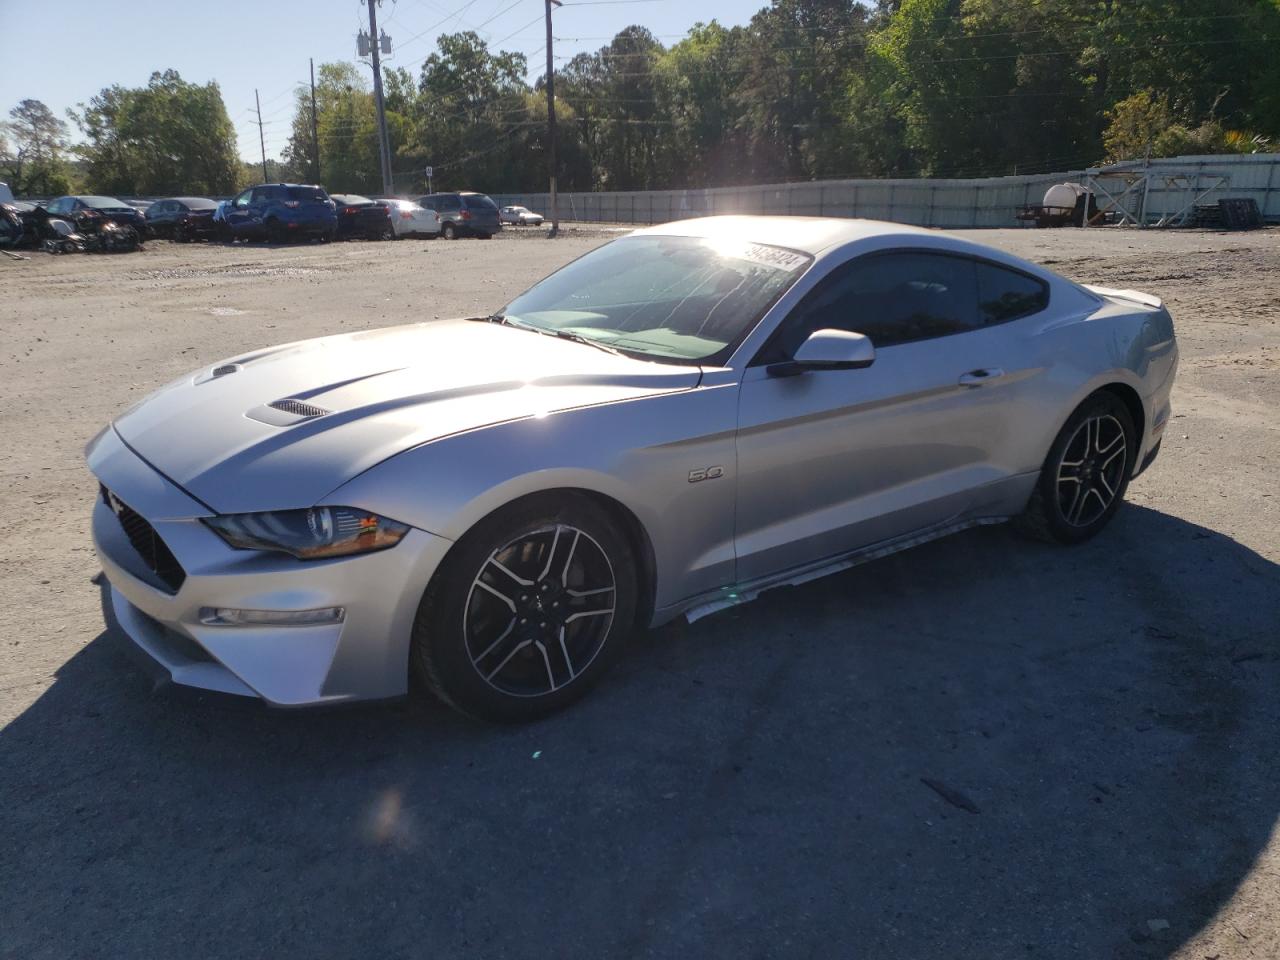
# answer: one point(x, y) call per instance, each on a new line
point(231, 617)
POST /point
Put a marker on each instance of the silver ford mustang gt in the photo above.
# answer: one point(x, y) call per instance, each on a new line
point(673, 423)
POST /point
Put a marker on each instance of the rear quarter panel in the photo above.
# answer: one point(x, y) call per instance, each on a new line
point(1076, 353)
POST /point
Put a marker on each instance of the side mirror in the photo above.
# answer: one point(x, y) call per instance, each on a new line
point(828, 350)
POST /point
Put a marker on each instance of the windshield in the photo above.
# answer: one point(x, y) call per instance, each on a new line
point(677, 299)
point(102, 203)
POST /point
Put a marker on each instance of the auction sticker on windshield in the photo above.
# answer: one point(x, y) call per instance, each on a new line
point(772, 256)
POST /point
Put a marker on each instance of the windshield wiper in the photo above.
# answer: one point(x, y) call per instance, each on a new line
point(579, 338)
point(549, 332)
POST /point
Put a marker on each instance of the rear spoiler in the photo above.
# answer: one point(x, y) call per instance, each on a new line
point(1134, 296)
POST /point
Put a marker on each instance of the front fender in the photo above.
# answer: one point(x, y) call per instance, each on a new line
point(640, 453)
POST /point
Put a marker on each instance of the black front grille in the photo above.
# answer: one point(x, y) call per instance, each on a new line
point(155, 552)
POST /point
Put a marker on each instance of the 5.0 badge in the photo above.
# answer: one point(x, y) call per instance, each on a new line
point(709, 473)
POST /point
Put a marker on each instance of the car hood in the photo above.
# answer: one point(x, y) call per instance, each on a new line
point(224, 435)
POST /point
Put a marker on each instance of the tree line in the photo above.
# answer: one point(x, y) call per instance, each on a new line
point(808, 89)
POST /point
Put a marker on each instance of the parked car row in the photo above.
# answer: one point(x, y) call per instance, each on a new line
point(280, 212)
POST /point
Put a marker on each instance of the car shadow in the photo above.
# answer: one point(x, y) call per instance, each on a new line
point(980, 748)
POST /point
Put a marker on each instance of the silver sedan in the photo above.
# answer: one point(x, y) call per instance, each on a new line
point(668, 426)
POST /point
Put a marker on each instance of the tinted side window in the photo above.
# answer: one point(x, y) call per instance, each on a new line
point(449, 203)
point(1007, 295)
point(892, 298)
point(308, 194)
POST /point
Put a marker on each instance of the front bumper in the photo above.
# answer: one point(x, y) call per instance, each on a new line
point(365, 656)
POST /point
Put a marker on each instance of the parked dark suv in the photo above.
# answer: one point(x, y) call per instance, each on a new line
point(463, 214)
point(280, 212)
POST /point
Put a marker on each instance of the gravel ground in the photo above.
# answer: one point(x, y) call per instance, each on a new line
point(983, 748)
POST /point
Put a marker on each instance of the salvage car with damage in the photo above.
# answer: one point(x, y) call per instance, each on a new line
point(667, 426)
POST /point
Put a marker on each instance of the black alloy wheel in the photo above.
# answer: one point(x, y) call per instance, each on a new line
point(1086, 473)
point(529, 609)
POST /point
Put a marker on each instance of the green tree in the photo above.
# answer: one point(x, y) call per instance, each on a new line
point(33, 147)
point(167, 137)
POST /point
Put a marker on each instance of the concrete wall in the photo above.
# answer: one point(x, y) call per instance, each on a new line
point(987, 202)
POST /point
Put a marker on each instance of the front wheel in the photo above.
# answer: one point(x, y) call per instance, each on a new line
point(528, 611)
point(1086, 473)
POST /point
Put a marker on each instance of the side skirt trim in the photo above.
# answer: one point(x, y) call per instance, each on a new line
point(727, 597)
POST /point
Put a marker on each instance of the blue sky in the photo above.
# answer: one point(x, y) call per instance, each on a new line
point(244, 44)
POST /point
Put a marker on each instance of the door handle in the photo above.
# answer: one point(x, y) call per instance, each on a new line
point(976, 378)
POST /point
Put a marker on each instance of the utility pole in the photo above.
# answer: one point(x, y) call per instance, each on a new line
point(315, 136)
point(551, 123)
point(262, 142)
point(384, 144)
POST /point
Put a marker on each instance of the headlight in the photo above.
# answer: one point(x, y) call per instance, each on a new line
point(314, 534)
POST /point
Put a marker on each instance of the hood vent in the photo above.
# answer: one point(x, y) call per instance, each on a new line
point(286, 412)
point(298, 408)
point(226, 368)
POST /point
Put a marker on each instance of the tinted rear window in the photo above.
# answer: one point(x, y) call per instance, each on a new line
point(479, 202)
point(1006, 295)
point(199, 203)
point(307, 193)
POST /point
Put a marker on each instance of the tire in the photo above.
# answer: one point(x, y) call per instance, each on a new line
point(449, 232)
point(479, 641)
point(180, 234)
point(1086, 473)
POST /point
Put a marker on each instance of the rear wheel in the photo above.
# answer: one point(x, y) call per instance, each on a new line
point(1086, 473)
point(450, 232)
point(529, 610)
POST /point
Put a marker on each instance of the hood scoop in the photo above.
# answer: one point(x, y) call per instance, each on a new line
point(286, 412)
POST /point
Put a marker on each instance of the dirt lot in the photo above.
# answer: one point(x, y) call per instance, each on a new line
point(751, 785)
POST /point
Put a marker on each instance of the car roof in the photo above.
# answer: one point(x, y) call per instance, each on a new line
point(809, 235)
point(86, 197)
